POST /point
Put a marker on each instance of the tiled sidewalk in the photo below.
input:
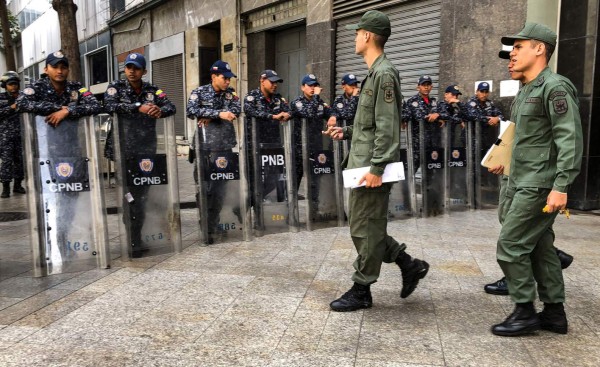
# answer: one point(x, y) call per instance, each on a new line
point(266, 303)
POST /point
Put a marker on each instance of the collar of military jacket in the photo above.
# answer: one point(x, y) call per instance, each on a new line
point(541, 78)
point(377, 61)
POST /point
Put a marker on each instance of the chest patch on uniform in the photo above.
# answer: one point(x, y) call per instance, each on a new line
point(473, 104)
point(415, 104)
point(368, 92)
point(533, 100)
point(149, 97)
point(298, 104)
point(29, 91)
point(228, 96)
point(560, 106)
point(250, 98)
point(111, 91)
point(340, 105)
point(74, 95)
point(193, 97)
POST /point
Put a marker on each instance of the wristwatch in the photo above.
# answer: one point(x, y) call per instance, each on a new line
point(138, 104)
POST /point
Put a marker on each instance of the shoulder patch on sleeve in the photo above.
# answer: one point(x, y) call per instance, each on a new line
point(83, 90)
point(111, 91)
point(558, 93)
point(193, 97)
point(561, 106)
point(29, 91)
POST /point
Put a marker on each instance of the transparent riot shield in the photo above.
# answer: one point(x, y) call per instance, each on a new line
point(220, 196)
point(318, 169)
point(486, 185)
point(147, 186)
point(65, 195)
point(458, 173)
point(272, 177)
point(430, 175)
point(400, 205)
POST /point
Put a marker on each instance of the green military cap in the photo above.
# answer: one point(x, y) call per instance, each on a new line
point(532, 31)
point(374, 21)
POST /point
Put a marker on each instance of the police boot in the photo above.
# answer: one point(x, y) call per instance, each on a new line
point(565, 259)
point(413, 270)
point(499, 287)
point(17, 188)
point(553, 318)
point(5, 190)
point(359, 296)
point(523, 320)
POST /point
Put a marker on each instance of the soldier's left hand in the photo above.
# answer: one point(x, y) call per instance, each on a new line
point(55, 118)
point(556, 201)
point(227, 115)
point(493, 121)
point(203, 121)
point(154, 112)
point(285, 116)
point(371, 180)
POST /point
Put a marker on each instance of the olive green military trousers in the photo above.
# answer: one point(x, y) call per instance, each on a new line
point(368, 228)
point(525, 249)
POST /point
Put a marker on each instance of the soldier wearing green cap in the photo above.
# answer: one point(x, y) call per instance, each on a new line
point(375, 143)
point(546, 159)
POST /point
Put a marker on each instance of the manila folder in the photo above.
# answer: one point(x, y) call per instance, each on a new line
point(501, 152)
point(393, 172)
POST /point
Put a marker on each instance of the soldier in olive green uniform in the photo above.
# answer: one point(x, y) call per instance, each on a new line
point(545, 161)
point(375, 143)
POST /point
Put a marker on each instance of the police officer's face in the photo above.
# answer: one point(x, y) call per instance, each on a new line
point(133, 73)
point(58, 72)
point(12, 87)
point(482, 95)
point(361, 41)
point(268, 86)
point(348, 89)
point(424, 89)
point(219, 82)
point(308, 90)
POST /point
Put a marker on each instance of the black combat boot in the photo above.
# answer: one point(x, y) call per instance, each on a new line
point(17, 188)
point(553, 318)
point(523, 320)
point(565, 259)
point(499, 287)
point(5, 190)
point(413, 270)
point(359, 296)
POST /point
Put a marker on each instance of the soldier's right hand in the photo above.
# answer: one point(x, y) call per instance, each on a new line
point(332, 121)
point(203, 121)
point(336, 133)
point(226, 115)
point(432, 117)
point(497, 170)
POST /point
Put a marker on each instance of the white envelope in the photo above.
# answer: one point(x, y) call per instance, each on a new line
point(393, 172)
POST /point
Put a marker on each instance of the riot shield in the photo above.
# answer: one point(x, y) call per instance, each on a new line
point(66, 195)
point(460, 183)
point(147, 186)
point(400, 204)
point(430, 175)
point(220, 196)
point(318, 169)
point(272, 177)
point(486, 184)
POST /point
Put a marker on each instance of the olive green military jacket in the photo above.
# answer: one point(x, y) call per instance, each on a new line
point(548, 141)
point(376, 131)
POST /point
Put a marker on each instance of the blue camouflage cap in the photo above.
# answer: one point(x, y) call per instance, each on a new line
point(309, 79)
point(223, 68)
point(137, 60)
point(271, 75)
point(56, 58)
point(349, 79)
point(425, 79)
point(483, 86)
point(454, 89)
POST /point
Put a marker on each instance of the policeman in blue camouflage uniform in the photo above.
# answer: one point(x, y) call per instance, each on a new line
point(10, 136)
point(55, 97)
point(269, 109)
point(58, 99)
point(215, 106)
point(454, 113)
point(482, 108)
point(344, 105)
point(310, 106)
point(421, 107)
point(135, 99)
